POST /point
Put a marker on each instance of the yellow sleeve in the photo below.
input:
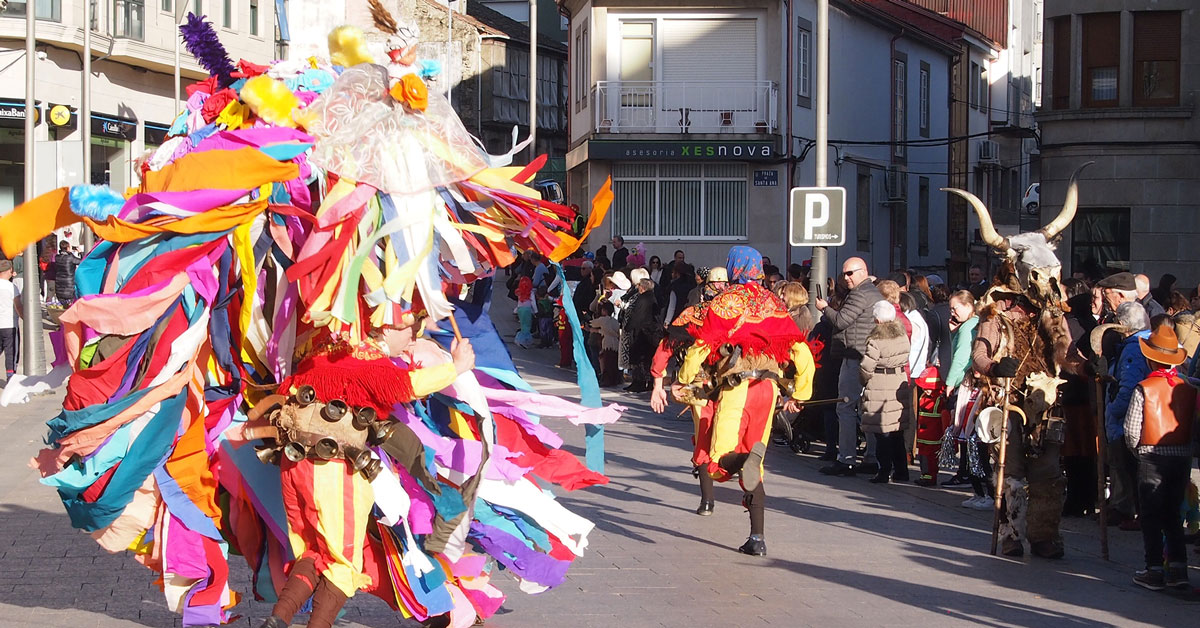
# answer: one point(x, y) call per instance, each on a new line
point(802, 358)
point(430, 379)
point(692, 361)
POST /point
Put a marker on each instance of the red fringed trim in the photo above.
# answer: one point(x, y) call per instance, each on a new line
point(378, 383)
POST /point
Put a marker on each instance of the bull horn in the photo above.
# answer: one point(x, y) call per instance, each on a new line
point(986, 230)
point(1067, 214)
point(1097, 335)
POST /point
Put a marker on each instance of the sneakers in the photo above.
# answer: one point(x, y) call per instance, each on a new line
point(839, 468)
point(754, 546)
point(1151, 578)
point(1176, 576)
point(957, 480)
point(979, 502)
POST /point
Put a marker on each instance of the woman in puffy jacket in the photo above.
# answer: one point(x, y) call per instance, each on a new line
point(884, 371)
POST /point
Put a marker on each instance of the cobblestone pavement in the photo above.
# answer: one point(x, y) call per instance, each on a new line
point(842, 552)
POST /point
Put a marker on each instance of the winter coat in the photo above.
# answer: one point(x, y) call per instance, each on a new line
point(1130, 369)
point(884, 378)
point(64, 277)
point(854, 322)
point(938, 318)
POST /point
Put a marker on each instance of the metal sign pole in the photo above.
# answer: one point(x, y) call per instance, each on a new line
point(820, 265)
point(31, 302)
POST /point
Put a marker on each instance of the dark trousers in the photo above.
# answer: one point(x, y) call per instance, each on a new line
point(892, 455)
point(8, 346)
point(981, 486)
point(1162, 481)
point(1081, 484)
point(829, 420)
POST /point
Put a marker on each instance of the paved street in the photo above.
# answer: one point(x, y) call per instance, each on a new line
point(842, 552)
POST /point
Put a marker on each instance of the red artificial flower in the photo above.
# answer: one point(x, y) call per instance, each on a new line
point(207, 86)
point(217, 103)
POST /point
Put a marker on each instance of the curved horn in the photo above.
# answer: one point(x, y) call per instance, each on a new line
point(990, 236)
point(1097, 335)
point(1067, 214)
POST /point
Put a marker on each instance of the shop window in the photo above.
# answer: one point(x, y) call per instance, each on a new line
point(1156, 48)
point(680, 200)
point(1101, 59)
point(1100, 240)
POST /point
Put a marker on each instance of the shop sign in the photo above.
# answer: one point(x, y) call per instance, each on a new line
point(110, 126)
point(61, 117)
point(12, 114)
point(684, 150)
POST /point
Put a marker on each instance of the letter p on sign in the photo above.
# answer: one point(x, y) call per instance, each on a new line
point(817, 217)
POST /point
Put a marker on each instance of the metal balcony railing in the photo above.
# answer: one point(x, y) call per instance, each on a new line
point(686, 106)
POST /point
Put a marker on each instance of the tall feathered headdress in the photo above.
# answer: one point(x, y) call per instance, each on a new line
point(202, 41)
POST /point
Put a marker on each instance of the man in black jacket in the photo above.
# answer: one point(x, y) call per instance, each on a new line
point(620, 253)
point(851, 325)
point(64, 274)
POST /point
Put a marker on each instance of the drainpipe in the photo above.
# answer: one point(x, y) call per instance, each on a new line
point(787, 140)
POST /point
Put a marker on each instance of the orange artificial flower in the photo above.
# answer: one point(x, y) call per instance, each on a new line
point(411, 91)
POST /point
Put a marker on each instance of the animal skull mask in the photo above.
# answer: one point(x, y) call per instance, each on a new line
point(1038, 269)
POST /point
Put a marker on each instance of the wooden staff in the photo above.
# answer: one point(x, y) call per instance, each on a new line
point(454, 327)
point(1000, 469)
point(1101, 455)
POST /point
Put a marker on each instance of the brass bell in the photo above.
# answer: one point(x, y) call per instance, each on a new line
point(268, 455)
point(306, 395)
point(334, 410)
point(358, 458)
point(295, 451)
point(371, 470)
point(381, 431)
point(326, 448)
point(364, 418)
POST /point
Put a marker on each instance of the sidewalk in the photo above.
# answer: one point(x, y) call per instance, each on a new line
point(841, 551)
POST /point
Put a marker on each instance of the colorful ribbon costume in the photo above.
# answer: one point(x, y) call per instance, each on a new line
point(236, 295)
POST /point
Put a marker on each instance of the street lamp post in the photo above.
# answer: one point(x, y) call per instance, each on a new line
point(820, 260)
point(85, 113)
point(31, 303)
point(533, 78)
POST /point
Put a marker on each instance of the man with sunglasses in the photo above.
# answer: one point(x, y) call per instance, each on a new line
point(851, 324)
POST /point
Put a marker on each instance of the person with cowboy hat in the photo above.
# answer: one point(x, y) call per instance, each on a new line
point(1158, 428)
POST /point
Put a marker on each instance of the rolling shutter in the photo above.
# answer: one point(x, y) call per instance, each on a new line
point(709, 50)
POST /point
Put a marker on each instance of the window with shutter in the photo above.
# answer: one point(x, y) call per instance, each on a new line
point(1101, 59)
point(804, 41)
point(1156, 48)
point(1060, 91)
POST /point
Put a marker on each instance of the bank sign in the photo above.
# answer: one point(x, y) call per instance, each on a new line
point(691, 150)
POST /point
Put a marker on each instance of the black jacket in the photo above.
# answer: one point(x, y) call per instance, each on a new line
point(64, 276)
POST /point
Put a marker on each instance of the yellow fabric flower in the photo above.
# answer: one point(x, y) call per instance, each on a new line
point(411, 90)
point(233, 116)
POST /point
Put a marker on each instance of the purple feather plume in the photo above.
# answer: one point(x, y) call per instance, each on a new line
point(201, 40)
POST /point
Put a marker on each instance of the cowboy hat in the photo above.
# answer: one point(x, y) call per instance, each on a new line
point(718, 274)
point(638, 274)
point(1163, 347)
point(620, 280)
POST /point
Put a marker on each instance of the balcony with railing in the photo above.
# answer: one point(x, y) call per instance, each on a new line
point(749, 107)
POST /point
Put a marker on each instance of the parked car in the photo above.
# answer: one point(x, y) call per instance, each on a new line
point(1031, 200)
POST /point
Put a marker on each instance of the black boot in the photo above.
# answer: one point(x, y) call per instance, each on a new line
point(274, 622)
point(705, 509)
point(754, 546)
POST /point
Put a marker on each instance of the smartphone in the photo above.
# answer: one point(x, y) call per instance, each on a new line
point(818, 292)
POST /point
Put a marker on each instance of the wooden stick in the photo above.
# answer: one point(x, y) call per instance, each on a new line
point(1000, 471)
point(1101, 456)
point(454, 326)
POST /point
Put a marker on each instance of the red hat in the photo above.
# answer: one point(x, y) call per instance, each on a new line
point(928, 379)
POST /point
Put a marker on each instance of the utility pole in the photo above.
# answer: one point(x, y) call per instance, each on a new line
point(820, 260)
point(85, 115)
point(31, 301)
point(533, 36)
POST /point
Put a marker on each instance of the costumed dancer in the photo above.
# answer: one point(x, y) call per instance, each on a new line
point(695, 396)
point(745, 336)
point(933, 417)
point(1020, 347)
point(299, 217)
